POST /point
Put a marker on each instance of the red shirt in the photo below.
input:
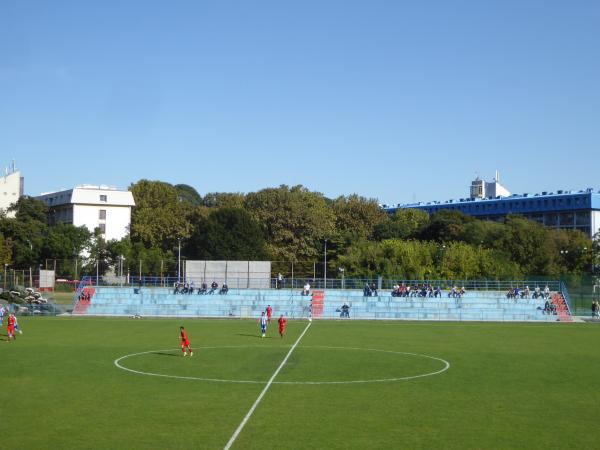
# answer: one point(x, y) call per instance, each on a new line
point(11, 321)
point(281, 322)
point(269, 311)
point(184, 335)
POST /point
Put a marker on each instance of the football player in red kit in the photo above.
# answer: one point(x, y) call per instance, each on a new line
point(185, 342)
point(281, 323)
point(10, 327)
point(269, 313)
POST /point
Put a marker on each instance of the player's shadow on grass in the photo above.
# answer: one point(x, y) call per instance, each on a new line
point(253, 336)
point(164, 354)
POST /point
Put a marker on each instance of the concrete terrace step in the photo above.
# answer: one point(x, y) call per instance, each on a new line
point(484, 305)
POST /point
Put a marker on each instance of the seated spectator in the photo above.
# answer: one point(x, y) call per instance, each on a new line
point(203, 289)
point(396, 290)
point(525, 293)
point(373, 290)
point(437, 292)
point(537, 293)
point(345, 311)
point(224, 289)
point(546, 292)
point(176, 290)
point(306, 289)
point(547, 308)
point(213, 287)
point(367, 290)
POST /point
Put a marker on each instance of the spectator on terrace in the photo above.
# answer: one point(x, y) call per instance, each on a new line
point(396, 290)
point(176, 286)
point(437, 292)
point(306, 289)
point(279, 281)
point(203, 289)
point(367, 290)
point(526, 292)
point(537, 293)
point(345, 311)
point(547, 308)
point(595, 309)
point(191, 291)
point(213, 287)
point(546, 292)
point(516, 293)
point(373, 290)
point(224, 289)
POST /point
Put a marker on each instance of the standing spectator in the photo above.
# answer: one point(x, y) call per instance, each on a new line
point(279, 281)
point(595, 309)
point(546, 292)
point(306, 290)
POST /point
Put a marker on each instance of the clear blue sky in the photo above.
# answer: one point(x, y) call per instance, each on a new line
point(394, 100)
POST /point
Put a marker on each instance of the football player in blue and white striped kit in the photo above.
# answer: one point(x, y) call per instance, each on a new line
point(263, 324)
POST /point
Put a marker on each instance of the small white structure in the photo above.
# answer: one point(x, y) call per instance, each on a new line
point(11, 188)
point(483, 189)
point(103, 207)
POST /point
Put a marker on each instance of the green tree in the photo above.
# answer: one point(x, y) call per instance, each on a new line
point(159, 218)
point(445, 226)
point(295, 220)
point(227, 234)
point(573, 251)
point(188, 194)
point(529, 245)
point(5, 252)
point(223, 200)
point(357, 216)
point(406, 223)
point(26, 231)
point(65, 241)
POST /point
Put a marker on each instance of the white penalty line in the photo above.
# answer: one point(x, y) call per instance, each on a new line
point(264, 391)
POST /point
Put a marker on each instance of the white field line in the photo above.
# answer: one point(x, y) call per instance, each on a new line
point(264, 391)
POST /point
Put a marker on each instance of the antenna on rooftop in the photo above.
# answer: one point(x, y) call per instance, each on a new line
point(497, 179)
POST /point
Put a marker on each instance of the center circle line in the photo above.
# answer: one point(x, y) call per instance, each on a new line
point(117, 363)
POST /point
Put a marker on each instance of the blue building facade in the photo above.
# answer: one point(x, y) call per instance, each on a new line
point(571, 210)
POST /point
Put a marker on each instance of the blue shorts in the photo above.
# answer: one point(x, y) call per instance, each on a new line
point(263, 328)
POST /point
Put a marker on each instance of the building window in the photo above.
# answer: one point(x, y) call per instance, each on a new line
point(102, 215)
point(103, 198)
point(102, 227)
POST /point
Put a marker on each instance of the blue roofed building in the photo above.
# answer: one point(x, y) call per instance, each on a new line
point(563, 209)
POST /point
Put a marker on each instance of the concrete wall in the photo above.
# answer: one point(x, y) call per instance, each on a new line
point(237, 274)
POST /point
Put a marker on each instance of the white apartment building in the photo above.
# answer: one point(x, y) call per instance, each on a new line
point(103, 207)
point(11, 188)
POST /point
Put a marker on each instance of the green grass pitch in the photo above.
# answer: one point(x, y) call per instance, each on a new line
point(526, 386)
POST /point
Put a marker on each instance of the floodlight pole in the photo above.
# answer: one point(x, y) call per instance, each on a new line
point(178, 260)
point(325, 268)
